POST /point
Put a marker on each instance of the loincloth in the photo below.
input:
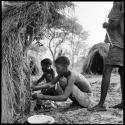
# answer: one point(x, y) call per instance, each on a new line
point(115, 56)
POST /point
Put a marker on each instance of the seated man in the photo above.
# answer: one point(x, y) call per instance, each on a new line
point(48, 76)
point(75, 86)
point(48, 73)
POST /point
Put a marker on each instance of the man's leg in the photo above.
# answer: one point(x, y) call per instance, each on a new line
point(58, 89)
point(74, 101)
point(121, 72)
point(80, 98)
point(122, 26)
point(104, 88)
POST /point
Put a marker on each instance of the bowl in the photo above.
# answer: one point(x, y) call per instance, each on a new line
point(40, 119)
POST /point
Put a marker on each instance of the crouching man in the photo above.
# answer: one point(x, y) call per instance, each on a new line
point(74, 85)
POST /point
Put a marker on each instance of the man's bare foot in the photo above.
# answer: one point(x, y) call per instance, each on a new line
point(120, 106)
point(98, 108)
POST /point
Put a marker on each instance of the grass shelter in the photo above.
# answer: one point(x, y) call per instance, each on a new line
point(95, 59)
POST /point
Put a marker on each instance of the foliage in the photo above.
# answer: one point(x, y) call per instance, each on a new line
point(63, 31)
point(76, 39)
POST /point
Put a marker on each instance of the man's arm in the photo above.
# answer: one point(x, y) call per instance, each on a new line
point(53, 74)
point(55, 80)
point(62, 97)
point(35, 88)
point(40, 79)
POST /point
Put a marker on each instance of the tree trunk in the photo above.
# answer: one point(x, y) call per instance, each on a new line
point(72, 59)
point(53, 56)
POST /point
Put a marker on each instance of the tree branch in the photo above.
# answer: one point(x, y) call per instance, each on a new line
point(51, 48)
point(57, 45)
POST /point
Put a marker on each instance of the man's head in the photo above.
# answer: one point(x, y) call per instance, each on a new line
point(45, 64)
point(61, 64)
point(105, 25)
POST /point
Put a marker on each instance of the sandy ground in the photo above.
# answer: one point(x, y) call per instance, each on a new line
point(78, 115)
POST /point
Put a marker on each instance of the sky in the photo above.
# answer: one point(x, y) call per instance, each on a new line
point(91, 16)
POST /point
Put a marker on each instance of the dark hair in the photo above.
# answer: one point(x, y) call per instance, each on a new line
point(46, 61)
point(62, 60)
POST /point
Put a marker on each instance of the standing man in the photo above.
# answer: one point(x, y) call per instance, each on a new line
point(114, 36)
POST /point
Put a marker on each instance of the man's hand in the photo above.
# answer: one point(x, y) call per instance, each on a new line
point(40, 96)
point(105, 25)
point(97, 108)
point(37, 96)
point(32, 87)
point(35, 83)
point(34, 96)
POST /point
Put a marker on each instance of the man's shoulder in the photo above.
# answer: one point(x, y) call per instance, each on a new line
point(75, 74)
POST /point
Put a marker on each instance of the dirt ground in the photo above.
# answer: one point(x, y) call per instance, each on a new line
point(78, 115)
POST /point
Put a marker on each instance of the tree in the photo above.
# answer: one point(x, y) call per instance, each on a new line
point(55, 38)
point(76, 38)
point(57, 34)
point(69, 30)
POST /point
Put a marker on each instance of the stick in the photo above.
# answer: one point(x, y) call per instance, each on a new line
point(109, 38)
point(108, 33)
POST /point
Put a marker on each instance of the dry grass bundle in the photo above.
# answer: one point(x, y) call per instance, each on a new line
point(15, 78)
point(15, 83)
point(23, 14)
point(95, 60)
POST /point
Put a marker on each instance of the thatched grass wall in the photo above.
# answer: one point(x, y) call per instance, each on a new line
point(95, 60)
point(17, 17)
point(15, 78)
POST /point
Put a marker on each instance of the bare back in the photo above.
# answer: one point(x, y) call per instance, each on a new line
point(80, 81)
